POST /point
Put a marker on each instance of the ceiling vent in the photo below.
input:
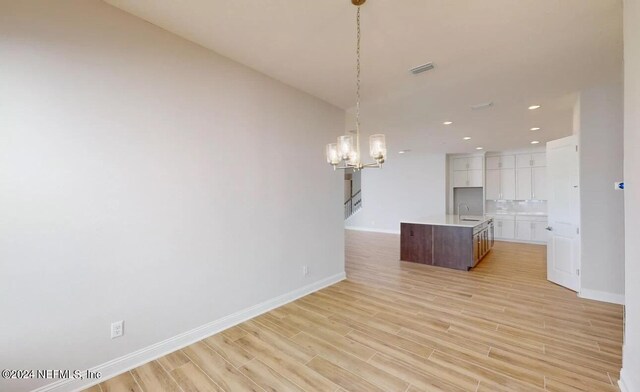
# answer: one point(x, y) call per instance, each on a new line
point(421, 68)
point(481, 106)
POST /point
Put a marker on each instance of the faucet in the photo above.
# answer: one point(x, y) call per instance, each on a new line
point(462, 204)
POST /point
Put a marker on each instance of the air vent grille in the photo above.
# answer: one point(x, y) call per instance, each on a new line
point(481, 106)
point(422, 68)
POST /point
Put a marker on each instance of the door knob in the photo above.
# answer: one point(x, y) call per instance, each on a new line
point(549, 228)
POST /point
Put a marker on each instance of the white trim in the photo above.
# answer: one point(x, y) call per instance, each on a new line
point(601, 296)
point(120, 365)
point(624, 386)
point(517, 241)
point(358, 228)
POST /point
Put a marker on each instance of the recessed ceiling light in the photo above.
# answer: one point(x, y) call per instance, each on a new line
point(478, 148)
point(534, 107)
point(466, 138)
point(535, 129)
point(448, 122)
point(535, 142)
point(403, 151)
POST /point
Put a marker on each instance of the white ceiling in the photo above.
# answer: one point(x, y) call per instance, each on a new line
point(514, 53)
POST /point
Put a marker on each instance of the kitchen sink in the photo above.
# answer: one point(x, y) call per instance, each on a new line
point(470, 220)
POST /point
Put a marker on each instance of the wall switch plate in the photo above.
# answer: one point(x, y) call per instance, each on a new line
point(305, 270)
point(619, 186)
point(117, 329)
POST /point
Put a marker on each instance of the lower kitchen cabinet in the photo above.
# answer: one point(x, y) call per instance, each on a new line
point(505, 228)
point(531, 229)
point(523, 230)
point(520, 228)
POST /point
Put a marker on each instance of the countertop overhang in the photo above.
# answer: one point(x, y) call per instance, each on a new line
point(450, 220)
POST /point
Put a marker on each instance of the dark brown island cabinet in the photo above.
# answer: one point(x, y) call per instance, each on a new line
point(446, 241)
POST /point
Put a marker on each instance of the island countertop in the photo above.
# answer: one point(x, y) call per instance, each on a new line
point(450, 220)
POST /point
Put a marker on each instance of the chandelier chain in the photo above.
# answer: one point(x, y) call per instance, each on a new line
point(358, 81)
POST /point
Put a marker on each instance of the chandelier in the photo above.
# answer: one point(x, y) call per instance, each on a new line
point(347, 149)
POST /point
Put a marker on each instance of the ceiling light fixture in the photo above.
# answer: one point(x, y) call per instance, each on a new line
point(403, 151)
point(534, 107)
point(479, 148)
point(347, 149)
point(448, 122)
point(535, 129)
point(535, 142)
point(466, 138)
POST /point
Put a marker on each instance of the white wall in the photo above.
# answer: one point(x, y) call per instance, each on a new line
point(147, 179)
point(601, 206)
point(630, 375)
point(408, 186)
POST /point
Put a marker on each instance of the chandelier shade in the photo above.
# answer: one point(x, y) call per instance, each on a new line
point(377, 147)
point(333, 157)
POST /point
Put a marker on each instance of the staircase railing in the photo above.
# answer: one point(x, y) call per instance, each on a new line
point(353, 204)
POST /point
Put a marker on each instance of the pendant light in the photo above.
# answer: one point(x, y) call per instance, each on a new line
point(347, 148)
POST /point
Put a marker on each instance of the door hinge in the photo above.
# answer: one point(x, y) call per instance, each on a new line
point(576, 148)
point(577, 230)
point(578, 271)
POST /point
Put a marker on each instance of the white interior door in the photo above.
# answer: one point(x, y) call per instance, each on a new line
point(563, 245)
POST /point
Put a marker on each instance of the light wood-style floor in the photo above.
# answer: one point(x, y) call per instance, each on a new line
point(395, 326)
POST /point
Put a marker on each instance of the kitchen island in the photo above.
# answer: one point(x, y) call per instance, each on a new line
point(450, 241)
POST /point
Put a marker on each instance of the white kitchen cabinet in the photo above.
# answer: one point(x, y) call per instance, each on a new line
point(501, 162)
point(524, 230)
point(508, 184)
point(531, 176)
point(460, 179)
point(467, 172)
point(539, 232)
point(475, 163)
point(539, 183)
point(467, 178)
point(493, 163)
point(539, 159)
point(504, 228)
point(492, 190)
point(501, 184)
point(524, 184)
point(460, 164)
point(475, 177)
point(531, 228)
point(467, 163)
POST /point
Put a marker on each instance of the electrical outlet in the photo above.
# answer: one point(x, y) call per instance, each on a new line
point(305, 270)
point(117, 329)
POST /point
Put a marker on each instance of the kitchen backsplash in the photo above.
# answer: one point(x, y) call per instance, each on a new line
point(516, 206)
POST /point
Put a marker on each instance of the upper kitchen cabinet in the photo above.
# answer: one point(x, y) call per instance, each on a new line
point(501, 162)
point(501, 178)
point(467, 171)
point(531, 177)
point(538, 159)
point(467, 163)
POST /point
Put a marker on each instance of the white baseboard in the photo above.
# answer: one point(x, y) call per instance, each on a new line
point(358, 228)
point(601, 296)
point(120, 365)
point(520, 241)
point(623, 384)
